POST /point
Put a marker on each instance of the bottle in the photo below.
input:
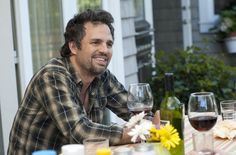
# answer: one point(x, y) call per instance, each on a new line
point(172, 111)
point(44, 152)
point(73, 149)
point(103, 151)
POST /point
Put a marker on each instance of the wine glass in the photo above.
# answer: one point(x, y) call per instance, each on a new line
point(140, 98)
point(202, 111)
point(202, 115)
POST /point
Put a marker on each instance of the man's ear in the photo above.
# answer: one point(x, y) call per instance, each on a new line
point(73, 47)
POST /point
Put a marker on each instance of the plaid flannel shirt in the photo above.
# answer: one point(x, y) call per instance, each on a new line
point(51, 113)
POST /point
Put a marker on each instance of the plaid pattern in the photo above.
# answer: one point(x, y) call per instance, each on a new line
point(51, 113)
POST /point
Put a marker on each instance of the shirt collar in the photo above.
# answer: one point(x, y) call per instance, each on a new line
point(75, 75)
point(72, 71)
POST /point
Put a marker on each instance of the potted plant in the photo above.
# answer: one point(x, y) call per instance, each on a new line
point(194, 71)
point(226, 28)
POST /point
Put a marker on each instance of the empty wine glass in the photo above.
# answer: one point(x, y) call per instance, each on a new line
point(202, 111)
point(140, 98)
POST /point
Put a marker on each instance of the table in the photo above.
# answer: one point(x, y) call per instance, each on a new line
point(220, 145)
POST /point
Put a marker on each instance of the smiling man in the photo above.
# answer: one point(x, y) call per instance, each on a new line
point(66, 99)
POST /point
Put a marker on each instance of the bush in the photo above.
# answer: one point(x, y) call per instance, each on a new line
point(194, 71)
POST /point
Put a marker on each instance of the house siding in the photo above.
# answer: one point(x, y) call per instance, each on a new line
point(129, 45)
point(168, 34)
point(167, 25)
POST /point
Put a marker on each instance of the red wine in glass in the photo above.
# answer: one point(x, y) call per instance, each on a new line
point(140, 98)
point(202, 114)
point(203, 123)
point(202, 111)
point(139, 110)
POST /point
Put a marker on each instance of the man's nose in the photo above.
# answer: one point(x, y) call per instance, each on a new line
point(104, 48)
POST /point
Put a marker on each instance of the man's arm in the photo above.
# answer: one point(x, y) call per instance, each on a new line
point(116, 96)
point(62, 103)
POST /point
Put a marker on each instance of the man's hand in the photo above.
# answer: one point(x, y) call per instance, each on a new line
point(156, 120)
point(126, 139)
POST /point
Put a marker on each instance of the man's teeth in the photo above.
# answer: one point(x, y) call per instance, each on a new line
point(101, 59)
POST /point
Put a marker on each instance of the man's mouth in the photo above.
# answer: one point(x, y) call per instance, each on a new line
point(101, 60)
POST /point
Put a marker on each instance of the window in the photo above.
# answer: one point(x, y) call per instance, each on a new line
point(46, 30)
point(207, 16)
point(144, 39)
point(219, 5)
point(82, 5)
point(208, 10)
point(139, 10)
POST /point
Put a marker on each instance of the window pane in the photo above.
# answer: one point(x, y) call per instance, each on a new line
point(82, 5)
point(46, 27)
point(139, 9)
point(219, 5)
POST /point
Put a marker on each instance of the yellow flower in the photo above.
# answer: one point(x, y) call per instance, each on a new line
point(154, 135)
point(169, 136)
point(143, 129)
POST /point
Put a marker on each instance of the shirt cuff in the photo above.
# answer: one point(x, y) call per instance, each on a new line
point(116, 135)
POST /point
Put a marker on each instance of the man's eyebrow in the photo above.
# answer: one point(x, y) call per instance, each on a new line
point(110, 41)
point(98, 39)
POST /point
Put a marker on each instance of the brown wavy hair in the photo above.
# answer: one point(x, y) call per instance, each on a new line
point(75, 30)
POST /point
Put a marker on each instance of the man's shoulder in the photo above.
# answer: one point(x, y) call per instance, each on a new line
point(108, 76)
point(55, 65)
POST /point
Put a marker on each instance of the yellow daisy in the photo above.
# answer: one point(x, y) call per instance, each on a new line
point(154, 135)
point(169, 136)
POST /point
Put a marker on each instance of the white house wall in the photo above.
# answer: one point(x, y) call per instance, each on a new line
point(8, 91)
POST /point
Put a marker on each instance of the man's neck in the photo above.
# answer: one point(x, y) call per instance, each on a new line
point(84, 76)
point(86, 79)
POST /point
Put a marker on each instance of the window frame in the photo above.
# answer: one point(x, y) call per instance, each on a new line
point(24, 54)
point(207, 16)
point(8, 89)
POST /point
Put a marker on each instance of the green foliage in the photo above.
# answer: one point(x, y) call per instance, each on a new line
point(83, 5)
point(194, 71)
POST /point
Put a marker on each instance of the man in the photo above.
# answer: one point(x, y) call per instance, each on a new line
point(65, 100)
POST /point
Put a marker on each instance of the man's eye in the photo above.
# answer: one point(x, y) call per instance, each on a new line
point(95, 42)
point(109, 45)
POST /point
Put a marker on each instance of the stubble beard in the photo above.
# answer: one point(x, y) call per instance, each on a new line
point(95, 71)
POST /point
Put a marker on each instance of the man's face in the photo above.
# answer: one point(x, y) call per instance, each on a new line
point(96, 49)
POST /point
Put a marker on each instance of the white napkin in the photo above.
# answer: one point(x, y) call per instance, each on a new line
point(225, 129)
